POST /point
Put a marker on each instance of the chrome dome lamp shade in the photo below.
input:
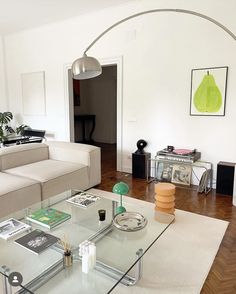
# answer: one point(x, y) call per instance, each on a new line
point(86, 67)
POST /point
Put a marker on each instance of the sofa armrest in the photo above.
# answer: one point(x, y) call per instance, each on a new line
point(78, 153)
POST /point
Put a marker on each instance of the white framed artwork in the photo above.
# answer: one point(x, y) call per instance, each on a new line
point(208, 91)
point(33, 93)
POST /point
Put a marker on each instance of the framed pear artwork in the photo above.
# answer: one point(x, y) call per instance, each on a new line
point(208, 91)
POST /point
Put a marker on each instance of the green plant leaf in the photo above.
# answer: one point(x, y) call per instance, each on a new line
point(5, 117)
point(20, 129)
point(5, 130)
point(2, 135)
point(9, 129)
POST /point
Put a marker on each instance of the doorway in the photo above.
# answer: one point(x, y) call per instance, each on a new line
point(107, 99)
point(96, 97)
point(95, 110)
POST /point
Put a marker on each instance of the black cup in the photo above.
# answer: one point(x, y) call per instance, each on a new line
point(102, 214)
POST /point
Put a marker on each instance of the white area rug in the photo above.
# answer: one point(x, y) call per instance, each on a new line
point(178, 262)
point(181, 259)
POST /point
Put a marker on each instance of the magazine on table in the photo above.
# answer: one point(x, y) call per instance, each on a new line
point(48, 217)
point(37, 241)
point(83, 199)
point(11, 228)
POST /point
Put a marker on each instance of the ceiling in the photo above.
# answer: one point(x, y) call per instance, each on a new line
point(17, 15)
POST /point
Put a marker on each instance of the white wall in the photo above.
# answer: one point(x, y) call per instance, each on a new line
point(3, 94)
point(159, 51)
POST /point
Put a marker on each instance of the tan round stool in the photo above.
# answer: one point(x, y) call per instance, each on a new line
point(165, 197)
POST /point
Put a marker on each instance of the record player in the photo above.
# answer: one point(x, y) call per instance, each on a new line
point(179, 155)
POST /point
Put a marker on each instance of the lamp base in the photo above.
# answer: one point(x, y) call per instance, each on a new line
point(120, 209)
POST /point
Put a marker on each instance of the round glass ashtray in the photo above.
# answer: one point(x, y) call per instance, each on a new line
point(129, 221)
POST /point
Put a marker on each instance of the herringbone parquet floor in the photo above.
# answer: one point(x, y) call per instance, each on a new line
point(222, 276)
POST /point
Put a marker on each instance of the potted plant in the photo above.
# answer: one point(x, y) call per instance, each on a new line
point(5, 129)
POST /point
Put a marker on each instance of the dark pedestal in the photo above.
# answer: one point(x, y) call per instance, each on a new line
point(140, 165)
point(225, 178)
point(84, 119)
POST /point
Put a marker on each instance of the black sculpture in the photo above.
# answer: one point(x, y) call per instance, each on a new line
point(141, 144)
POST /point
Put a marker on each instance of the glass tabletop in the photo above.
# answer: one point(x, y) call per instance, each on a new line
point(118, 252)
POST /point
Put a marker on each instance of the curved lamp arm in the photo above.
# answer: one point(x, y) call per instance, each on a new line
point(163, 10)
point(88, 67)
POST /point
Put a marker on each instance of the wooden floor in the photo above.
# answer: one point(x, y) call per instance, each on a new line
point(222, 276)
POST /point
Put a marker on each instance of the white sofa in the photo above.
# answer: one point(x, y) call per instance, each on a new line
point(33, 172)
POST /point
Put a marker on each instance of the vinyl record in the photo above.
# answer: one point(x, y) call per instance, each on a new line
point(183, 151)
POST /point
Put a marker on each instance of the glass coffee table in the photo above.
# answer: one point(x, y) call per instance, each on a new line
point(118, 253)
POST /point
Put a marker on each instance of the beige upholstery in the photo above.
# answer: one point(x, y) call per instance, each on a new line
point(46, 169)
point(17, 193)
point(22, 154)
point(55, 176)
point(79, 153)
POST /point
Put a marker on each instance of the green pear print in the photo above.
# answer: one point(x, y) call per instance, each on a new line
point(207, 97)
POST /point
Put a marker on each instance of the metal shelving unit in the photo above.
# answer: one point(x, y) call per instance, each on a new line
point(204, 184)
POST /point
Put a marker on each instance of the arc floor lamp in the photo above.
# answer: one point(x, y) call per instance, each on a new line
point(88, 67)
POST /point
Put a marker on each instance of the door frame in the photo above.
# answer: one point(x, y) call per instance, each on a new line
point(69, 109)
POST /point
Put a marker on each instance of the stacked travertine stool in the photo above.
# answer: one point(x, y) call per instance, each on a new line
point(165, 197)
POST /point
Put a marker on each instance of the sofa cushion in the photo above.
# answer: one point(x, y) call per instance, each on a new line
point(78, 153)
point(17, 193)
point(55, 176)
point(18, 155)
